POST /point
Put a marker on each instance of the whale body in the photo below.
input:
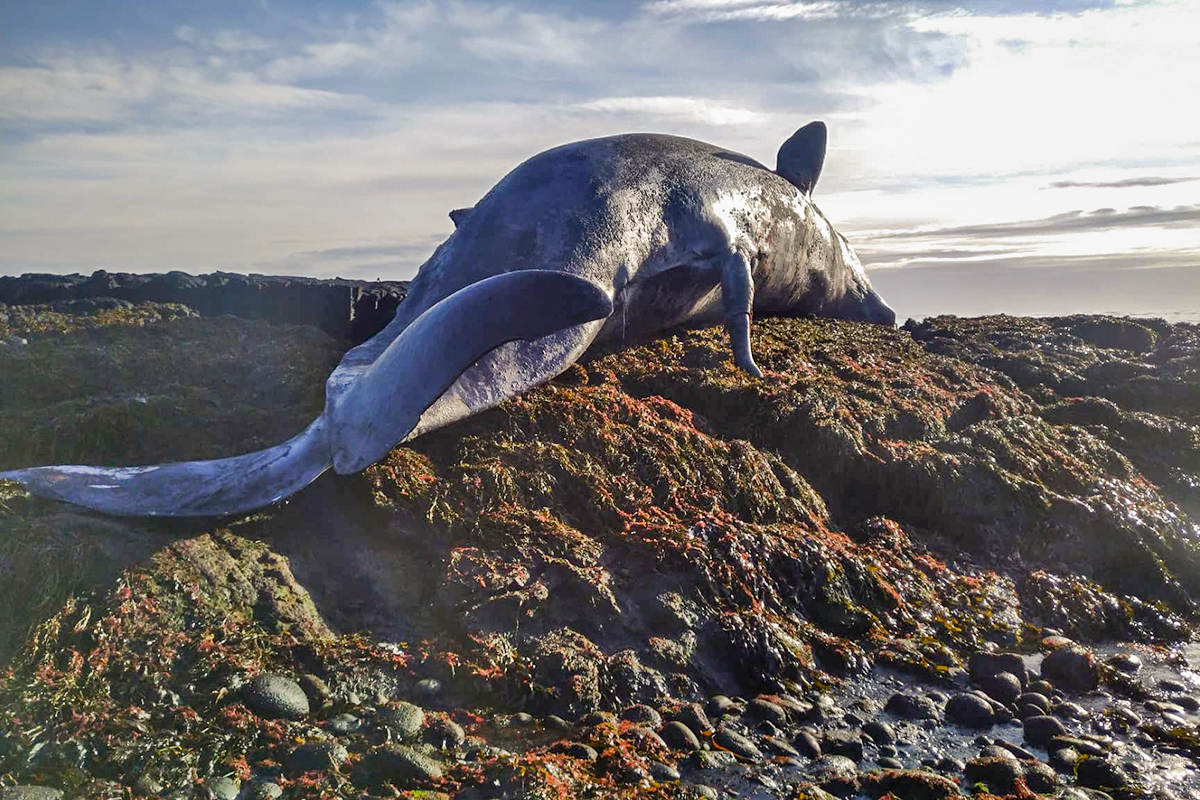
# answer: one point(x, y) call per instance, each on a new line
point(597, 242)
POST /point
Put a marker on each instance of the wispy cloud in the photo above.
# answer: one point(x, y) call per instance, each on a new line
point(690, 108)
point(1101, 219)
point(1124, 183)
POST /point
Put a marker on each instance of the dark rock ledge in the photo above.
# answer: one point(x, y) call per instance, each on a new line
point(655, 577)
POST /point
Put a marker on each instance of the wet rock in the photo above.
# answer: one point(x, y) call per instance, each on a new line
point(766, 710)
point(807, 744)
point(222, 788)
point(722, 706)
point(736, 743)
point(679, 736)
point(970, 711)
point(663, 772)
point(581, 751)
point(908, 705)
point(1035, 699)
point(443, 732)
point(276, 697)
point(1125, 662)
point(836, 774)
point(998, 774)
point(1004, 687)
point(843, 743)
point(1072, 669)
point(880, 732)
point(642, 715)
point(316, 690)
point(693, 716)
point(779, 747)
point(1101, 773)
point(1172, 685)
point(345, 723)
point(396, 764)
point(1086, 747)
point(1039, 730)
point(402, 718)
point(909, 784)
point(982, 666)
point(318, 756)
point(710, 759)
point(1069, 711)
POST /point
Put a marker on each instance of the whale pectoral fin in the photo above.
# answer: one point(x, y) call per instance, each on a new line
point(188, 488)
point(801, 157)
point(389, 399)
point(737, 294)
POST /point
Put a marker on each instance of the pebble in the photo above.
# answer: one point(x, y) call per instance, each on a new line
point(580, 750)
point(318, 756)
point(1072, 669)
point(1084, 746)
point(1036, 699)
point(949, 765)
point(970, 710)
point(1185, 701)
point(982, 665)
point(767, 711)
point(679, 736)
point(345, 723)
point(1100, 773)
point(880, 732)
point(720, 706)
point(316, 690)
point(402, 718)
point(887, 762)
point(444, 733)
point(1126, 662)
point(397, 764)
point(734, 742)
point(779, 747)
point(1040, 729)
point(556, 723)
point(642, 715)
point(276, 697)
point(1040, 687)
point(705, 791)
point(1016, 750)
point(663, 772)
point(843, 743)
point(807, 744)
point(1070, 711)
point(223, 788)
point(912, 706)
point(1172, 685)
point(1002, 687)
point(995, 751)
point(694, 717)
point(1000, 775)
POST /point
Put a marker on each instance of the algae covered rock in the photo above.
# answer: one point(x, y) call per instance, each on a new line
point(653, 527)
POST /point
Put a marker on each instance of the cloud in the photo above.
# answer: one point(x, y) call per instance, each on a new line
point(1101, 219)
point(690, 108)
point(1124, 183)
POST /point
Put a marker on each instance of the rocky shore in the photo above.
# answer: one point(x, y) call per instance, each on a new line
point(958, 558)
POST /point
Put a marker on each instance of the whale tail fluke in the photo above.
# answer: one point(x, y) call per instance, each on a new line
point(373, 413)
point(188, 488)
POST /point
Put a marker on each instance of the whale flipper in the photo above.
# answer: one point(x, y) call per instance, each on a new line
point(376, 411)
point(440, 349)
point(187, 488)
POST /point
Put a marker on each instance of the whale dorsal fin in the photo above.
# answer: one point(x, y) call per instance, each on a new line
point(801, 157)
point(458, 215)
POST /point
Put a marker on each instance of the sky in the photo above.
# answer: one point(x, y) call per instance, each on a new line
point(1020, 156)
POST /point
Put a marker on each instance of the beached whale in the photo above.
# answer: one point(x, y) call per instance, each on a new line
point(606, 240)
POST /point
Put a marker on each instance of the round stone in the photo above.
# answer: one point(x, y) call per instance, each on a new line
point(642, 715)
point(1039, 730)
point(1003, 687)
point(276, 697)
point(767, 711)
point(912, 706)
point(316, 756)
point(737, 744)
point(402, 718)
point(397, 764)
point(807, 744)
point(970, 711)
point(1126, 662)
point(444, 733)
point(679, 736)
point(693, 716)
point(881, 733)
point(1072, 669)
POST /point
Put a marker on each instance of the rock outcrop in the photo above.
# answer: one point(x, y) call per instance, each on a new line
point(652, 530)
